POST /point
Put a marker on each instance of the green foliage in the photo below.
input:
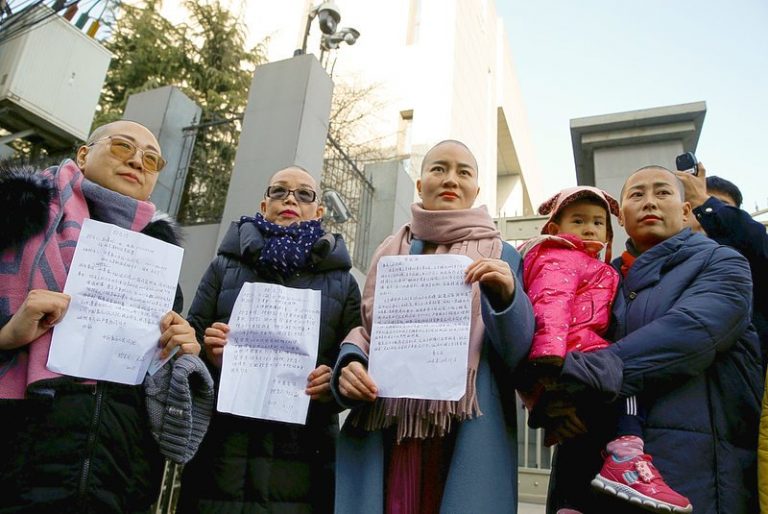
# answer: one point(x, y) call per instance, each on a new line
point(148, 52)
point(208, 60)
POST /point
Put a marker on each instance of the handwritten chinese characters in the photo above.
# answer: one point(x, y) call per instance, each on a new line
point(420, 334)
point(122, 283)
point(271, 349)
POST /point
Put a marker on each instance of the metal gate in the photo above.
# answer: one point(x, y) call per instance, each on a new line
point(341, 174)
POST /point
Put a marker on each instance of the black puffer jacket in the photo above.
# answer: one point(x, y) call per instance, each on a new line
point(87, 448)
point(734, 227)
point(251, 465)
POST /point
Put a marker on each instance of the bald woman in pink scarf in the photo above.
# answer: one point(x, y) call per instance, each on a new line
point(398, 455)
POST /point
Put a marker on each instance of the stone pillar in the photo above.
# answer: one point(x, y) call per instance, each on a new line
point(394, 192)
point(166, 111)
point(285, 124)
point(608, 148)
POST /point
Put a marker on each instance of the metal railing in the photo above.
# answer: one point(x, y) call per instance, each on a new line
point(213, 143)
point(534, 460)
point(169, 489)
point(341, 174)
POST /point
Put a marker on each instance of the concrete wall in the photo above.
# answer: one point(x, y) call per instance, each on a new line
point(285, 124)
point(166, 111)
point(614, 165)
point(509, 196)
point(199, 250)
point(392, 199)
point(517, 133)
point(609, 147)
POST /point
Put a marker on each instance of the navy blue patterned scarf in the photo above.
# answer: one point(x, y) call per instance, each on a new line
point(286, 249)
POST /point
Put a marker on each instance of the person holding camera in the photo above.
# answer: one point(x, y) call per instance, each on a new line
point(717, 211)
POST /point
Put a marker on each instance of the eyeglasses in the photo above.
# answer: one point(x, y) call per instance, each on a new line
point(124, 150)
point(302, 194)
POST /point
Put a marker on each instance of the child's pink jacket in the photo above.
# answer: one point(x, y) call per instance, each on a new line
point(572, 291)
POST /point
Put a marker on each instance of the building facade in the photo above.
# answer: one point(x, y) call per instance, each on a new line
point(438, 69)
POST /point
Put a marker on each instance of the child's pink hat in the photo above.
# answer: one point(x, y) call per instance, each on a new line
point(557, 203)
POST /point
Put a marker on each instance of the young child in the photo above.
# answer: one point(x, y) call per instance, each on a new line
point(256, 465)
point(572, 291)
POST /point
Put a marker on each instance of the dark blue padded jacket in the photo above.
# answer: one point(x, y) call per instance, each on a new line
point(685, 346)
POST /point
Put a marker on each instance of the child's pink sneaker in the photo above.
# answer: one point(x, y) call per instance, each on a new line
point(637, 480)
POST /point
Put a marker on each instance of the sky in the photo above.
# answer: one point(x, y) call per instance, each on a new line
point(591, 57)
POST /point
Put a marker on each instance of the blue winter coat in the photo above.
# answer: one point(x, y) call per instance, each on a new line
point(687, 349)
point(483, 471)
point(731, 226)
point(253, 465)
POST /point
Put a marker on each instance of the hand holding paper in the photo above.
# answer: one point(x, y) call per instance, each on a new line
point(319, 384)
point(178, 335)
point(40, 311)
point(356, 384)
point(215, 338)
point(421, 321)
point(496, 276)
point(269, 352)
point(122, 284)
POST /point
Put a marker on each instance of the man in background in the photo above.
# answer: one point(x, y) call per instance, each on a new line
point(716, 205)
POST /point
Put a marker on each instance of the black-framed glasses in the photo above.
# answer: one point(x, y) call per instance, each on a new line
point(124, 150)
point(302, 194)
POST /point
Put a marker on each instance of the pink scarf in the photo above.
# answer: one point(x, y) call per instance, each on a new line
point(468, 232)
point(43, 261)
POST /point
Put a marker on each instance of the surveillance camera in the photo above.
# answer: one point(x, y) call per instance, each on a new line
point(346, 35)
point(337, 209)
point(328, 17)
point(350, 35)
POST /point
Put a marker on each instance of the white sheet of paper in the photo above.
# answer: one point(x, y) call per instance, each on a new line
point(420, 335)
point(122, 283)
point(270, 351)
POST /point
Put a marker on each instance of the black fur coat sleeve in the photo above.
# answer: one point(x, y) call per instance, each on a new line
point(24, 198)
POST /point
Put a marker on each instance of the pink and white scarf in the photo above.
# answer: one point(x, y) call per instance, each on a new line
point(43, 261)
point(468, 232)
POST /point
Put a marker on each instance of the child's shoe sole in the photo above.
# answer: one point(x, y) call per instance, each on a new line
point(636, 498)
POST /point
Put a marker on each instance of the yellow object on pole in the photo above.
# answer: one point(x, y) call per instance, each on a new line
point(93, 28)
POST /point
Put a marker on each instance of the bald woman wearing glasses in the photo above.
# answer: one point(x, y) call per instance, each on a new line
point(255, 465)
point(70, 445)
point(124, 157)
